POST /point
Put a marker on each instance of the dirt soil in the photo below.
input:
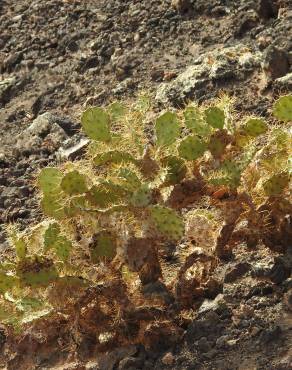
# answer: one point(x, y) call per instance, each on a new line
point(59, 56)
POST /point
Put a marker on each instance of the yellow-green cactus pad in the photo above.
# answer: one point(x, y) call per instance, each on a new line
point(176, 169)
point(195, 122)
point(255, 127)
point(113, 157)
point(167, 222)
point(52, 206)
point(167, 129)
point(215, 117)
point(96, 124)
point(276, 184)
point(283, 108)
point(74, 183)
point(49, 180)
point(191, 148)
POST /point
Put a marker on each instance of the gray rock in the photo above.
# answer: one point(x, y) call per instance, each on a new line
point(276, 62)
point(43, 134)
point(229, 64)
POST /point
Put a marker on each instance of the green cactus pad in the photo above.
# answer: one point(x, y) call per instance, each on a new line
point(96, 124)
point(6, 282)
point(276, 184)
point(255, 127)
point(167, 129)
point(141, 197)
point(194, 121)
point(130, 180)
point(283, 108)
point(51, 235)
point(167, 222)
point(49, 180)
point(229, 174)
point(113, 157)
point(191, 148)
point(75, 206)
point(104, 247)
point(18, 243)
point(62, 247)
point(74, 183)
point(116, 111)
point(36, 271)
point(215, 117)
point(105, 194)
point(216, 147)
point(177, 169)
point(52, 206)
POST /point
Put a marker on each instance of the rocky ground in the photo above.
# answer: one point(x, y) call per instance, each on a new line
point(59, 56)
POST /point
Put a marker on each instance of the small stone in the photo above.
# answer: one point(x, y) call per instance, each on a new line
point(168, 359)
point(276, 62)
point(204, 345)
point(182, 6)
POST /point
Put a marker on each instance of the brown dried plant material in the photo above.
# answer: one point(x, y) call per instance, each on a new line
point(193, 277)
point(142, 257)
point(185, 193)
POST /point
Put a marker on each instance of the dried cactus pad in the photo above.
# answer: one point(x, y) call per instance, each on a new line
point(96, 124)
point(276, 183)
point(167, 129)
point(49, 180)
point(255, 127)
point(191, 148)
point(215, 117)
point(74, 183)
point(283, 108)
point(103, 246)
point(167, 222)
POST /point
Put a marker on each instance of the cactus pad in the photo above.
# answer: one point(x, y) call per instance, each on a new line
point(283, 108)
point(105, 194)
point(215, 117)
point(255, 127)
point(114, 157)
point(142, 197)
point(52, 206)
point(74, 183)
point(51, 235)
point(36, 271)
point(195, 122)
point(117, 111)
point(276, 184)
point(49, 180)
point(103, 246)
point(216, 147)
point(176, 169)
point(191, 148)
point(167, 222)
point(6, 282)
point(95, 123)
point(167, 129)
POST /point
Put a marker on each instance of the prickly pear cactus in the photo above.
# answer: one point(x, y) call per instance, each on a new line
point(191, 148)
point(96, 124)
point(167, 222)
point(7, 282)
point(54, 240)
point(142, 197)
point(255, 127)
point(113, 157)
point(283, 108)
point(53, 206)
point(276, 184)
point(176, 169)
point(36, 271)
point(167, 129)
point(74, 183)
point(103, 246)
point(195, 122)
point(215, 117)
point(49, 180)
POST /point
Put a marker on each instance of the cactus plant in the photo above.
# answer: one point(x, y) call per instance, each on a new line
point(255, 127)
point(191, 148)
point(283, 108)
point(167, 129)
point(74, 183)
point(215, 117)
point(96, 124)
point(167, 222)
